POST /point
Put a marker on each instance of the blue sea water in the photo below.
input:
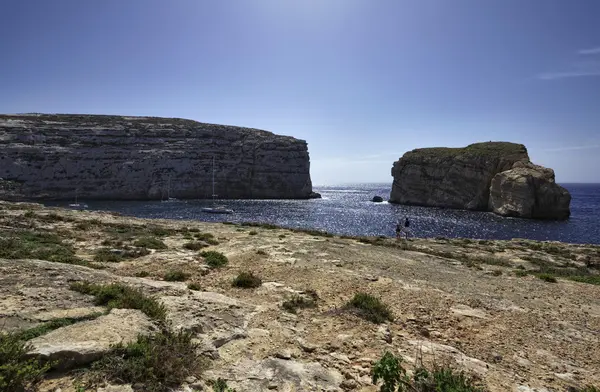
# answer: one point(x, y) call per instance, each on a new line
point(348, 210)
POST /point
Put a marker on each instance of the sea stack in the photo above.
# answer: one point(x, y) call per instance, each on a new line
point(55, 157)
point(490, 176)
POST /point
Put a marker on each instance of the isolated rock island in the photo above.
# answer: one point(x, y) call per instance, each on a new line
point(490, 176)
point(53, 157)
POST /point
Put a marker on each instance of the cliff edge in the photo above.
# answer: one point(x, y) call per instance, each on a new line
point(55, 157)
point(490, 176)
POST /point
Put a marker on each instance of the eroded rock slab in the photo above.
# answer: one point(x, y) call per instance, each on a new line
point(87, 341)
point(283, 375)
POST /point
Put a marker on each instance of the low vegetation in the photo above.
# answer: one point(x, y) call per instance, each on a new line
point(370, 308)
point(150, 243)
point(194, 245)
point(247, 280)
point(298, 302)
point(394, 378)
point(19, 373)
point(214, 259)
point(176, 276)
point(159, 362)
point(220, 385)
point(116, 295)
point(547, 278)
point(51, 325)
point(28, 244)
point(194, 286)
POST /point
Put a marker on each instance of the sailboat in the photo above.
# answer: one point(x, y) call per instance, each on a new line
point(216, 209)
point(77, 205)
point(169, 198)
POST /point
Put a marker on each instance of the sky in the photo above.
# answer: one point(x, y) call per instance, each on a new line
point(362, 81)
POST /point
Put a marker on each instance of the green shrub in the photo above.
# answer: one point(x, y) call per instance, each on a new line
point(520, 273)
point(17, 372)
point(104, 255)
point(142, 274)
point(194, 286)
point(214, 259)
point(221, 386)
point(159, 362)
point(150, 243)
point(207, 237)
point(116, 295)
point(298, 302)
point(176, 276)
point(370, 308)
point(394, 378)
point(247, 280)
point(194, 245)
point(547, 278)
point(253, 232)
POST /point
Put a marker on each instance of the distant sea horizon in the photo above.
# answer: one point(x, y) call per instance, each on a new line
point(348, 210)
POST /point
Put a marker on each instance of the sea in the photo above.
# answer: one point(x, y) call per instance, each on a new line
point(348, 210)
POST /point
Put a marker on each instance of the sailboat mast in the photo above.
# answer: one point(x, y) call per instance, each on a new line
point(213, 178)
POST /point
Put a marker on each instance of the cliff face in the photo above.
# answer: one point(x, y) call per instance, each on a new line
point(45, 157)
point(452, 177)
point(462, 178)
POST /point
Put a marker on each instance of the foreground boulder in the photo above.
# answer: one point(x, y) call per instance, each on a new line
point(87, 341)
point(529, 191)
point(462, 178)
point(60, 157)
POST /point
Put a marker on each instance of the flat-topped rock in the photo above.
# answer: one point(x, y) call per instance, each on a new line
point(491, 176)
point(87, 341)
point(45, 156)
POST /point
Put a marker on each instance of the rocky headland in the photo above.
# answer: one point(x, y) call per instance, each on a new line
point(59, 157)
point(490, 176)
point(124, 304)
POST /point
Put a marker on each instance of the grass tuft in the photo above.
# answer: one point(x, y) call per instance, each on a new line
point(116, 295)
point(150, 243)
point(370, 308)
point(159, 362)
point(214, 259)
point(194, 245)
point(176, 276)
point(298, 302)
point(247, 280)
point(194, 286)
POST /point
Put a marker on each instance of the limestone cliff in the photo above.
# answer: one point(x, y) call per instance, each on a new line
point(44, 157)
point(462, 178)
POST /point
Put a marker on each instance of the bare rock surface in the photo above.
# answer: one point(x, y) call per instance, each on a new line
point(490, 176)
point(47, 156)
point(84, 342)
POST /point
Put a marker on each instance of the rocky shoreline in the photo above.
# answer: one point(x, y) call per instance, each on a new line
point(514, 315)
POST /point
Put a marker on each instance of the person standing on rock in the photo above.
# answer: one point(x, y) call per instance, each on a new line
point(406, 227)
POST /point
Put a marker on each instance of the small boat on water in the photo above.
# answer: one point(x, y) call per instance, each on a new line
point(216, 209)
point(77, 205)
point(169, 199)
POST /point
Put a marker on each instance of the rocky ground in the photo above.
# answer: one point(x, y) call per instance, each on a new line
point(516, 315)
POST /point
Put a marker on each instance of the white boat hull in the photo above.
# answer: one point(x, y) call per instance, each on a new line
point(217, 210)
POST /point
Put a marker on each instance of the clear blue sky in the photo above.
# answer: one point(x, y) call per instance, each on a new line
point(363, 81)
